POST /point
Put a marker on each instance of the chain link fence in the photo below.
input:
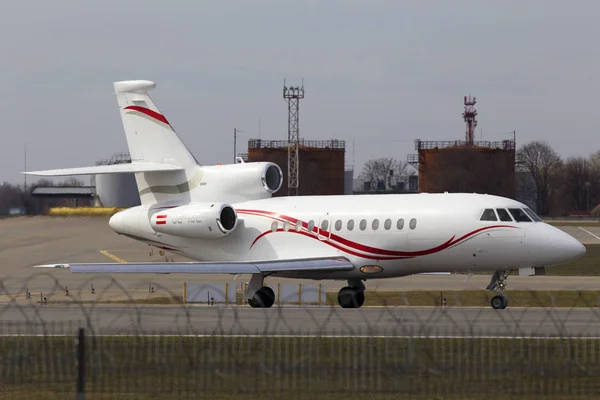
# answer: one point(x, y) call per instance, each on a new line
point(130, 350)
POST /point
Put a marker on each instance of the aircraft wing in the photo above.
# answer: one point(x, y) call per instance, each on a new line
point(244, 267)
point(108, 169)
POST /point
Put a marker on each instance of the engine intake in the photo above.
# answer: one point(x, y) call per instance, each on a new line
point(203, 221)
point(272, 178)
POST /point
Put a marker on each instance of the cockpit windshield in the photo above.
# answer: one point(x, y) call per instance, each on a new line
point(504, 215)
point(533, 215)
point(509, 215)
point(519, 215)
point(488, 215)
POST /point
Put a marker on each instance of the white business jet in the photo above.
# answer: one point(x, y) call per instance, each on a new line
point(225, 217)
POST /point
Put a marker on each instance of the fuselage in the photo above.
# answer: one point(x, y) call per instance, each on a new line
point(382, 235)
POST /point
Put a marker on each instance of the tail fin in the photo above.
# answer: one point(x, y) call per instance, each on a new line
point(165, 170)
point(151, 138)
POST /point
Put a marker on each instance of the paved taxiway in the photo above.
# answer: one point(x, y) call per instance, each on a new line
point(28, 241)
point(65, 319)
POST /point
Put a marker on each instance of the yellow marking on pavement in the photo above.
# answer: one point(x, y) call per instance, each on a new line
point(109, 255)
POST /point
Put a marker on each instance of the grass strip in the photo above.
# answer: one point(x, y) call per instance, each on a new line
point(301, 368)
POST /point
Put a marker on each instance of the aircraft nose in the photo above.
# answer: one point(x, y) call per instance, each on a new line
point(575, 247)
point(553, 245)
point(116, 222)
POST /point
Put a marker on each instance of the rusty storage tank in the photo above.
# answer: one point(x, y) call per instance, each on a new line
point(484, 167)
point(321, 170)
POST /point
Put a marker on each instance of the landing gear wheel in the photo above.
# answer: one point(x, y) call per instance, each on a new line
point(263, 298)
point(350, 297)
point(499, 302)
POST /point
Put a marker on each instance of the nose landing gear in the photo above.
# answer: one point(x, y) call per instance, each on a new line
point(497, 284)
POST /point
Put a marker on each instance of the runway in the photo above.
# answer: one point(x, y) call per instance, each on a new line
point(205, 320)
point(28, 241)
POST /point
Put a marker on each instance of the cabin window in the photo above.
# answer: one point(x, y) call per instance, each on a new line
point(400, 224)
point(274, 226)
point(298, 226)
point(375, 224)
point(519, 215)
point(286, 226)
point(488, 215)
point(311, 225)
point(412, 224)
point(363, 224)
point(324, 224)
point(350, 224)
point(387, 224)
point(533, 215)
point(504, 215)
point(338, 225)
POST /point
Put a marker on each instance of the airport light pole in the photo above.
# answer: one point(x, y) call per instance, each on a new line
point(235, 132)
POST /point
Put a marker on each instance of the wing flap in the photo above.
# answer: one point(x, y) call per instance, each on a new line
point(108, 169)
point(251, 267)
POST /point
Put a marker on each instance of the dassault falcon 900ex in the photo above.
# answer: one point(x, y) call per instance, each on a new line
point(225, 218)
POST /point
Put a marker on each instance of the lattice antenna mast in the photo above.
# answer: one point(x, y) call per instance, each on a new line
point(470, 117)
point(293, 95)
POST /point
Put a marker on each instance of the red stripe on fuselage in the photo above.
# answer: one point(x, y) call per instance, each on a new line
point(161, 222)
point(387, 254)
point(334, 245)
point(149, 112)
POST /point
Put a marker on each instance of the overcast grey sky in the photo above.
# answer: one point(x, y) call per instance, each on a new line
point(381, 73)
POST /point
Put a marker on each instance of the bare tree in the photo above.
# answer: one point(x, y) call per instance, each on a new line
point(404, 169)
point(543, 165)
point(386, 171)
point(44, 182)
point(71, 182)
point(577, 182)
point(378, 170)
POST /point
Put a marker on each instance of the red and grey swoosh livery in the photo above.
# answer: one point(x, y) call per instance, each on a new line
point(153, 115)
point(355, 248)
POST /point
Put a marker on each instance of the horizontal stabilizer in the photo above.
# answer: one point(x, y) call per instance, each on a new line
point(245, 267)
point(108, 169)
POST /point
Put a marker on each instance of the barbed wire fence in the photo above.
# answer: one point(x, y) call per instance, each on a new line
point(128, 349)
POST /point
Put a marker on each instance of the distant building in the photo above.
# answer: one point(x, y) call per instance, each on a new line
point(480, 167)
point(321, 162)
point(116, 190)
point(348, 181)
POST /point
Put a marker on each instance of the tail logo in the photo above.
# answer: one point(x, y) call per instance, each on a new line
point(146, 112)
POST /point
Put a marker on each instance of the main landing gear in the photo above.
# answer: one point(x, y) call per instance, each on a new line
point(497, 284)
point(257, 295)
point(353, 295)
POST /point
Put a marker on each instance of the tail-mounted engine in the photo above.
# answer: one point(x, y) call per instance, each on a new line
point(200, 220)
point(240, 182)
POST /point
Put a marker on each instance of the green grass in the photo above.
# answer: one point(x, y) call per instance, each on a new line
point(302, 368)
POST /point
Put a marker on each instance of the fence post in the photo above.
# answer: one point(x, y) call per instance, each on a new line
point(81, 365)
